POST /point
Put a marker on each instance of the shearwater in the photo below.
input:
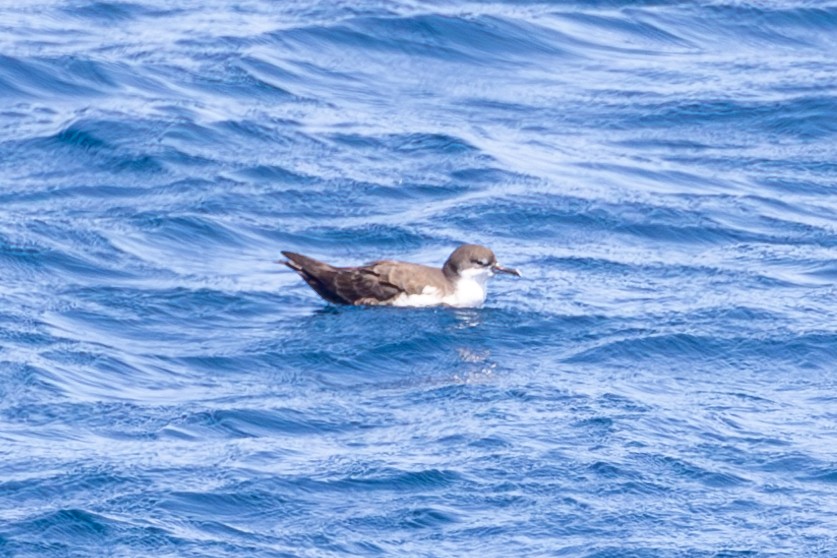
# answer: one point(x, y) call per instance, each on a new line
point(460, 282)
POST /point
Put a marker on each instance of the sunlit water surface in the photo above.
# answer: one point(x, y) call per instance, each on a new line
point(660, 383)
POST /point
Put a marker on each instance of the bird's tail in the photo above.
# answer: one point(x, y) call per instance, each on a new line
point(319, 275)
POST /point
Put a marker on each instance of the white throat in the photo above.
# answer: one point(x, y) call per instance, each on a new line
point(470, 288)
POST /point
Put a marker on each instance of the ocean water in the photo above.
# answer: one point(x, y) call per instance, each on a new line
point(660, 383)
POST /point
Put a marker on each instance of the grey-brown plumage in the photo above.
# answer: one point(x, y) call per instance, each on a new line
point(388, 282)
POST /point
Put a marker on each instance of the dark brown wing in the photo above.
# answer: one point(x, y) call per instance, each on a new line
point(410, 278)
point(344, 285)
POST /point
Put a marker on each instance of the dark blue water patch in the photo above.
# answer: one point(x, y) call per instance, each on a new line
point(787, 461)
point(218, 49)
point(183, 196)
point(810, 351)
point(275, 174)
point(61, 77)
point(107, 13)
point(305, 73)
point(77, 525)
point(72, 194)
point(782, 168)
point(440, 159)
point(795, 185)
point(539, 218)
point(412, 192)
point(505, 111)
point(807, 118)
point(398, 480)
point(801, 117)
point(497, 36)
point(402, 342)
point(605, 5)
point(750, 319)
point(23, 386)
point(690, 182)
point(83, 135)
point(42, 261)
point(255, 423)
point(244, 361)
point(671, 146)
point(79, 532)
point(644, 551)
point(746, 24)
point(93, 360)
point(419, 521)
point(824, 271)
point(807, 17)
point(241, 503)
point(635, 29)
point(185, 133)
point(90, 71)
point(22, 326)
point(179, 303)
point(230, 78)
point(194, 232)
point(787, 231)
point(621, 403)
point(655, 465)
point(124, 323)
point(411, 144)
point(550, 216)
point(608, 267)
point(762, 205)
point(380, 239)
point(105, 144)
point(489, 175)
point(716, 219)
point(689, 234)
point(433, 36)
point(17, 254)
point(9, 89)
point(226, 139)
point(55, 247)
point(799, 25)
point(279, 69)
point(135, 313)
point(268, 73)
point(75, 486)
point(104, 134)
point(324, 200)
point(827, 476)
point(49, 417)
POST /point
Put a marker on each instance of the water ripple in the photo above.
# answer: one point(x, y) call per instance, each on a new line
point(657, 384)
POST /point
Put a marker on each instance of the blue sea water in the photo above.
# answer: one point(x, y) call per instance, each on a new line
point(660, 383)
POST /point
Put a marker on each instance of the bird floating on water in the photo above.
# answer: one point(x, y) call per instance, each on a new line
point(460, 282)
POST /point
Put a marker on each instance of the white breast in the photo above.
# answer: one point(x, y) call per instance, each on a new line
point(429, 297)
point(469, 292)
point(470, 289)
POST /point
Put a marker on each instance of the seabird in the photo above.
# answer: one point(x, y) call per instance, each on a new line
point(461, 282)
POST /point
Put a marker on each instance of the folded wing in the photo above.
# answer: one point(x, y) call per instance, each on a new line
point(376, 283)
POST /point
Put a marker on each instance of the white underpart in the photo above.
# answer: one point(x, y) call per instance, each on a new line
point(470, 288)
point(469, 292)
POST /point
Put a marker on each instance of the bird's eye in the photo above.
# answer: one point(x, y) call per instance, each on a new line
point(483, 263)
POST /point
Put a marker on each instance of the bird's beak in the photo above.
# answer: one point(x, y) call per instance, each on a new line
point(497, 268)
